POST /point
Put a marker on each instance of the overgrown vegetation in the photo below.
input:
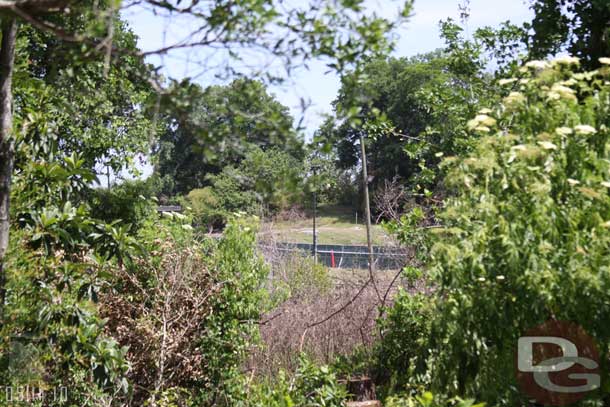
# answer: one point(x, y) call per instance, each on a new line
point(489, 161)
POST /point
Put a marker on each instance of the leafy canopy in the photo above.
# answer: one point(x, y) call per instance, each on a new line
point(579, 27)
point(525, 238)
point(216, 127)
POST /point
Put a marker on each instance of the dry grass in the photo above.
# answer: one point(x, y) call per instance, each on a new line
point(287, 331)
point(299, 323)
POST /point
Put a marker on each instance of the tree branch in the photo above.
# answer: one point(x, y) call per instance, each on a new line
point(35, 6)
point(7, 156)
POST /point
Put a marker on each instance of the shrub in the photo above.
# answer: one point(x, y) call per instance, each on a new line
point(206, 209)
point(188, 311)
point(287, 331)
point(54, 337)
point(525, 237)
point(236, 312)
point(401, 355)
point(157, 308)
point(265, 181)
point(275, 176)
point(234, 192)
point(312, 386)
point(297, 276)
point(130, 202)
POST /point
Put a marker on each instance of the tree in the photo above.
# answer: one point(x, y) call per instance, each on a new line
point(7, 58)
point(526, 231)
point(263, 183)
point(581, 27)
point(333, 185)
point(68, 103)
point(394, 88)
point(216, 127)
point(293, 35)
point(414, 110)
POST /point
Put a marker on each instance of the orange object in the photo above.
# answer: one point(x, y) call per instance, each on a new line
point(332, 259)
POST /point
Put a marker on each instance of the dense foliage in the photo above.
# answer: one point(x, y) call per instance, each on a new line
point(57, 264)
point(413, 111)
point(495, 170)
point(66, 104)
point(131, 203)
point(525, 238)
point(264, 183)
point(579, 27)
point(210, 129)
point(529, 224)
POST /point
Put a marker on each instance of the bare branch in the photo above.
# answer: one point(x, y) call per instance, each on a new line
point(35, 6)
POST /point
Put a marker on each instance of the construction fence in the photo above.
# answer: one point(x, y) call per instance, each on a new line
point(349, 257)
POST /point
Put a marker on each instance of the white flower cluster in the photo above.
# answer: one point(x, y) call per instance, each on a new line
point(503, 82)
point(564, 131)
point(547, 145)
point(559, 91)
point(482, 122)
point(584, 130)
point(566, 60)
point(538, 65)
point(514, 98)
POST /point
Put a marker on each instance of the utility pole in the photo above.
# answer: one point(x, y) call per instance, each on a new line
point(367, 206)
point(315, 199)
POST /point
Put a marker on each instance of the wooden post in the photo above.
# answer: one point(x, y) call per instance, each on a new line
point(315, 203)
point(367, 206)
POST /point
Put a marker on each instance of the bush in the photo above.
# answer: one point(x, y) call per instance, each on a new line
point(237, 309)
point(130, 202)
point(234, 192)
point(312, 386)
point(265, 182)
point(525, 237)
point(297, 276)
point(157, 308)
point(206, 208)
point(54, 337)
point(401, 355)
point(188, 311)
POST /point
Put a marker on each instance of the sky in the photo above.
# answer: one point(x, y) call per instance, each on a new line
point(419, 34)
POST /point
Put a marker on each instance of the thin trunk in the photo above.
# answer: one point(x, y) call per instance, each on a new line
point(315, 235)
point(7, 62)
point(367, 214)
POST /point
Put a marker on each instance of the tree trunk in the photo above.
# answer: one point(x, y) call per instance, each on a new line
point(7, 59)
point(367, 204)
point(367, 214)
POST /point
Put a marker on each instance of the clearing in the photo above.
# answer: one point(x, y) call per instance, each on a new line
point(334, 224)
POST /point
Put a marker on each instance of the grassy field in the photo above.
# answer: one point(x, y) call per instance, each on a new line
point(335, 225)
